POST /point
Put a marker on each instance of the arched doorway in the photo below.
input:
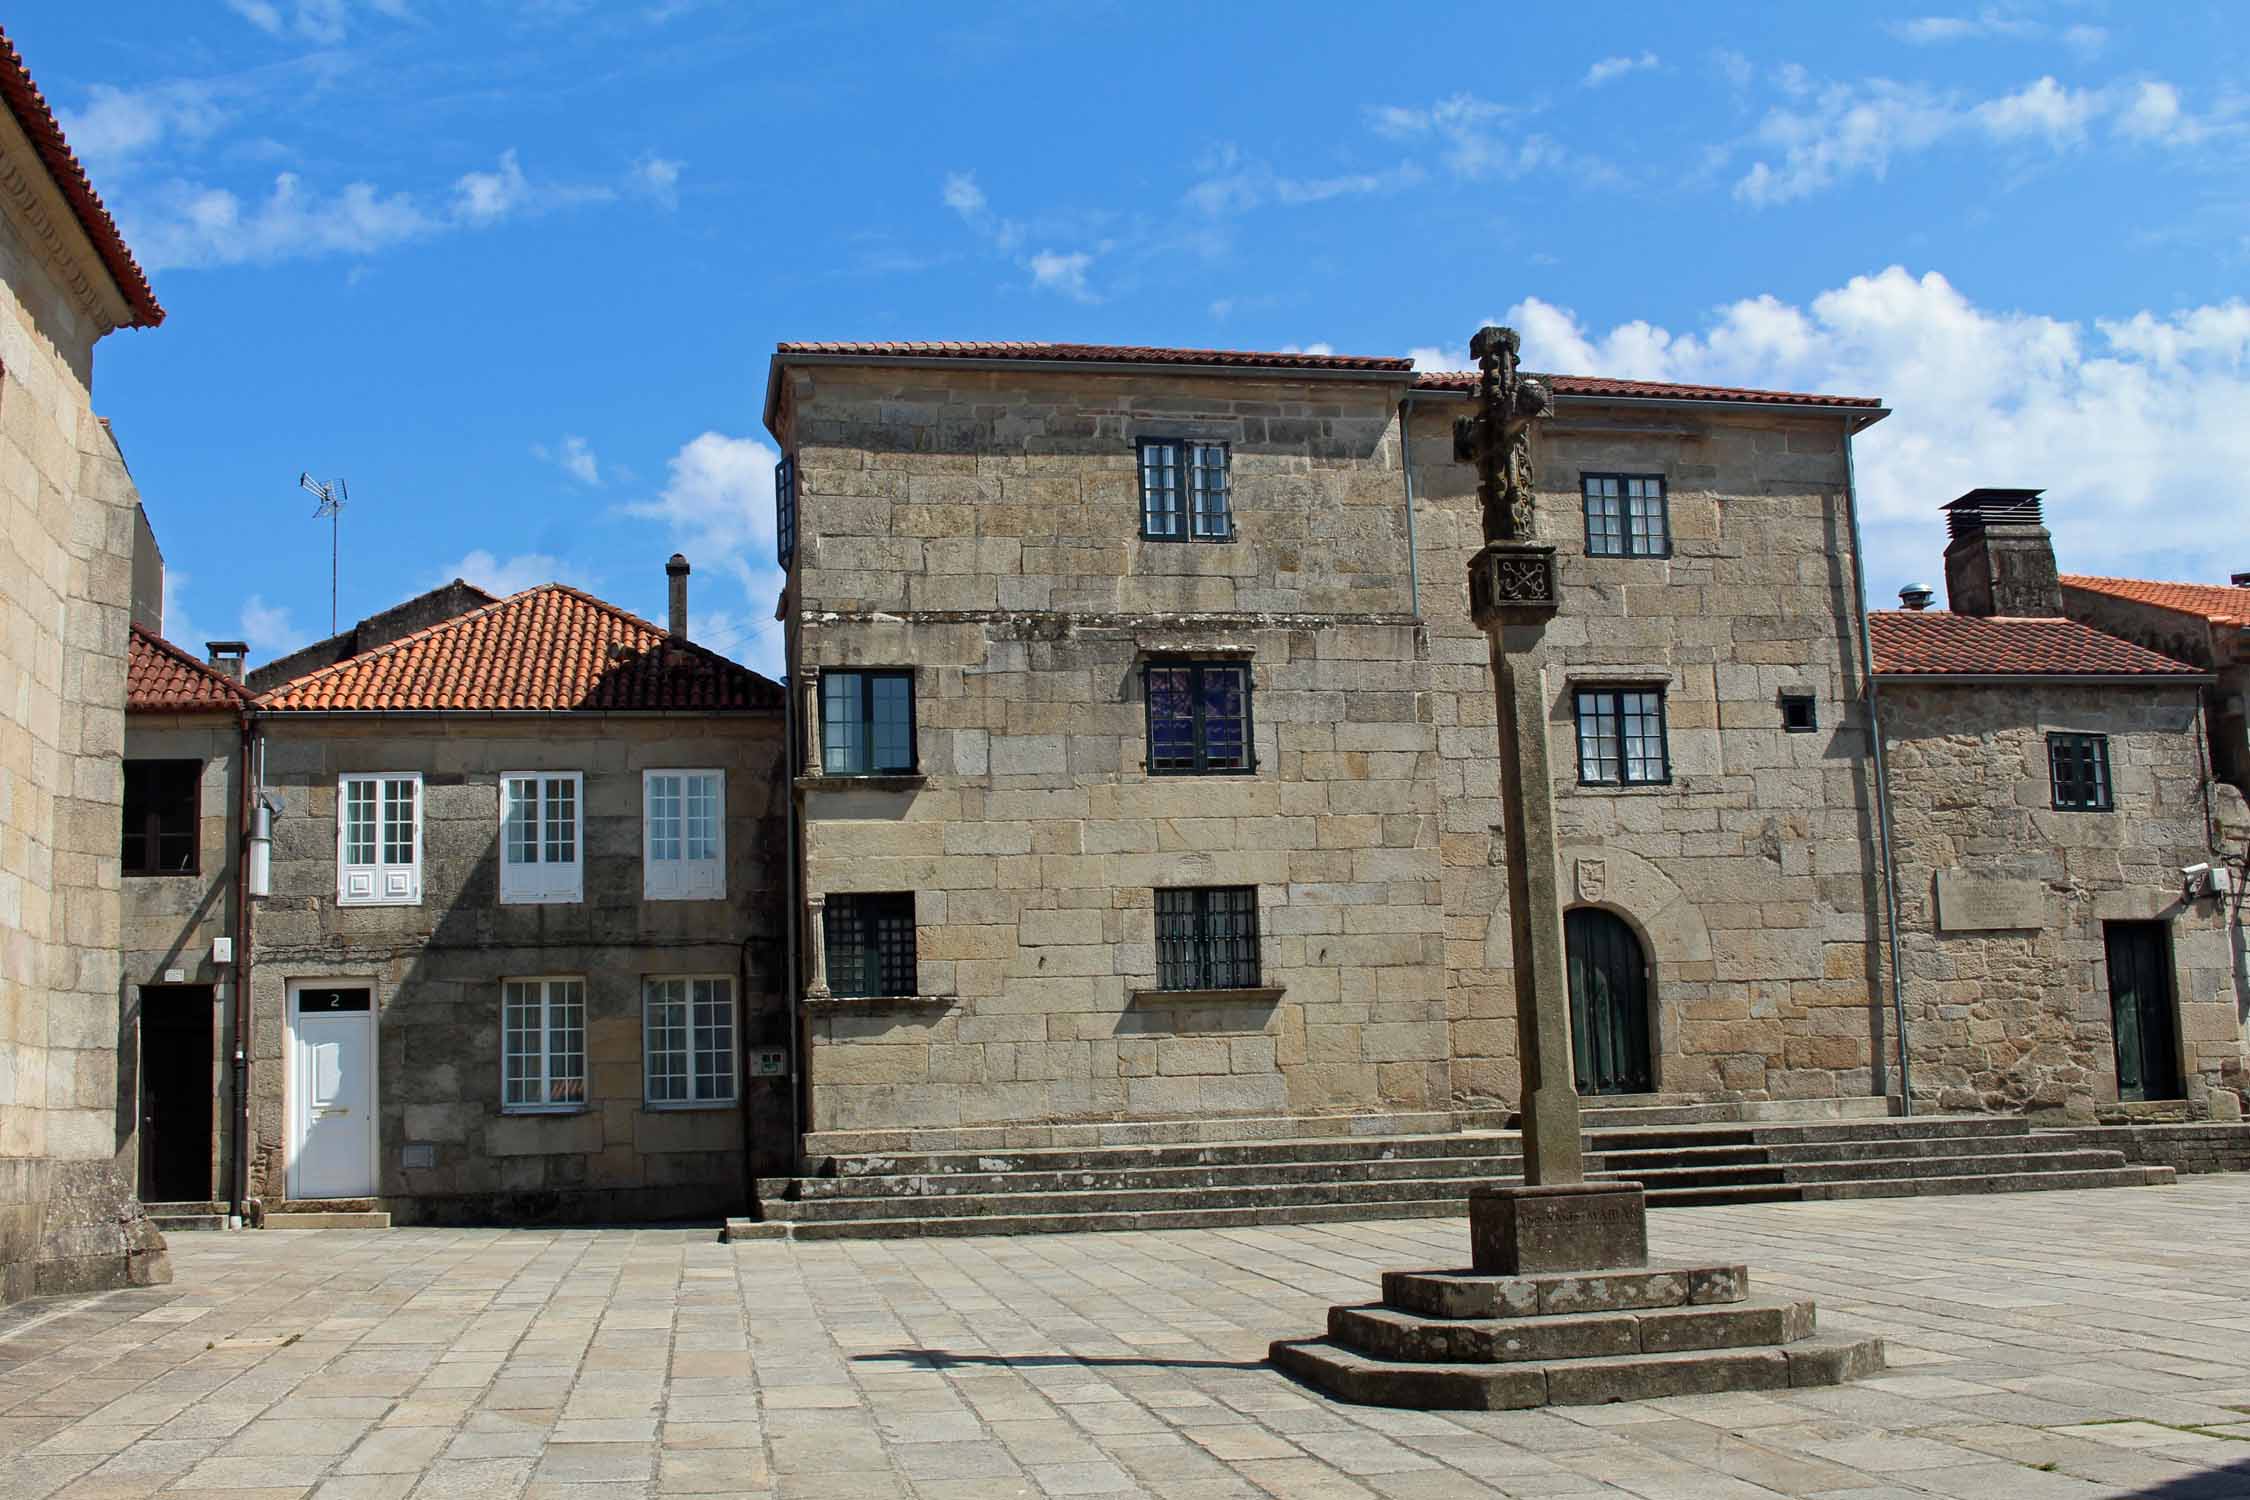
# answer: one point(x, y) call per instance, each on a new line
point(1608, 1003)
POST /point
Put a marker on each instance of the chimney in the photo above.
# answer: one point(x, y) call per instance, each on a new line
point(2000, 559)
point(2239, 580)
point(226, 657)
point(1916, 596)
point(676, 572)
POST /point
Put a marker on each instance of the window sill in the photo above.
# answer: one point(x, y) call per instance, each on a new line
point(1628, 788)
point(1191, 540)
point(889, 781)
point(903, 1002)
point(379, 901)
point(1266, 995)
point(159, 874)
point(544, 1109)
point(574, 899)
point(685, 1106)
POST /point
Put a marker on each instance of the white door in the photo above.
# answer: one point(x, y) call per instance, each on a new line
point(332, 1110)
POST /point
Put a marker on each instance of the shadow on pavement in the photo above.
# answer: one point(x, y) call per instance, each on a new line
point(942, 1359)
point(2229, 1483)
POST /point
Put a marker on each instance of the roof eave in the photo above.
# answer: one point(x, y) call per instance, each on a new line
point(1866, 416)
point(2103, 679)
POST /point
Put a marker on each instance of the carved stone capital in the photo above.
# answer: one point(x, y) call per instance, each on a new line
point(1513, 583)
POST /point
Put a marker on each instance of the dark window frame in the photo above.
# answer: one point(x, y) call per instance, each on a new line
point(1198, 734)
point(1616, 693)
point(1182, 500)
point(151, 835)
point(866, 962)
point(1626, 547)
point(1219, 947)
point(868, 676)
point(785, 510)
point(1811, 704)
point(2094, 774)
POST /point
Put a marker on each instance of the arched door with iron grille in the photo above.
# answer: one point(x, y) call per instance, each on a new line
point(1608, 1004)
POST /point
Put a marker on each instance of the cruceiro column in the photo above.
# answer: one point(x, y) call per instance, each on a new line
point(1560, 1306)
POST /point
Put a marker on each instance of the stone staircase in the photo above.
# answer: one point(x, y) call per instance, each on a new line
point(1704, 1158)
point(171, 1218)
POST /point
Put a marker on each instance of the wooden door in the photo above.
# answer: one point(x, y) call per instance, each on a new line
point(177, 1078)
point(2140, 1007)
point(1609, 1022)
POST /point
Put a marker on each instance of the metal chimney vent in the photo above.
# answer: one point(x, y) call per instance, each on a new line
point(1917, 596)
point(1978, 509)
point(2239, 580)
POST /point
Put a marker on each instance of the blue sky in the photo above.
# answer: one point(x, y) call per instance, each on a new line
point(514, 268)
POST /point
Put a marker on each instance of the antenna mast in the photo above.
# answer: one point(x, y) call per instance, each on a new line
point(333, 498)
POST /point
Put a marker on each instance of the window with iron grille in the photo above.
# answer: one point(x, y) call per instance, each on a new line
point(1626, 515)
point(1185, 491)
point(162, 811)
point(785, 510)
point(867, 723)
point(1207, 938)
point(1621, 737)
point(870, 944)
point(687, 1041)
point(2079, 764)
point(1198, 717)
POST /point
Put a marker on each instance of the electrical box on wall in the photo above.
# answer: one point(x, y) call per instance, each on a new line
point(222, 950)
point(769, 1062)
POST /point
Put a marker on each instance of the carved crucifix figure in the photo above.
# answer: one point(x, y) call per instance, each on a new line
point(1497, 439)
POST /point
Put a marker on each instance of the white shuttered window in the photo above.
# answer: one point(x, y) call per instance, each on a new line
point(379, 840)
point(684, 846)
point(542, 836)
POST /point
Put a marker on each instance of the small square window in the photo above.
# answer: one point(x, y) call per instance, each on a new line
point(1798, 713)
point(1207, 938)
point(867, 723)
point(1626, 515)
point(2079, 766)
point(1621, 738)
point(162, 814)
point(1186, 491)
point(870, 944)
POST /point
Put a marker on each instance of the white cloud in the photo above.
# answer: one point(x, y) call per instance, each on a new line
point(1482, 138)
point(1308, 348)
point(1057, 272)
point(267, 627)
point(2116, 420)
point(483, 198)
point(1991, 22)
point(2086, 41)
point(1612, 68)
point(962, 194)
point(2041, 110)
point(718, 509)
point(1431, 357)
point(1233, 183)
point(574, 457)
point(659, 178)
point(1733, 67)
point(1221, 308)
point(510, 575)
point(117, 125)
point(323, 21)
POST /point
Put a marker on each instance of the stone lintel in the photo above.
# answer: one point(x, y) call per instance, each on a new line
point(1576, 1226)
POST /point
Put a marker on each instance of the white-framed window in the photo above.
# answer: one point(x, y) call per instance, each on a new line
point(379, 839)
point(687, 1041)
point(542, 836)
point(542, 1045)
point(684, 839)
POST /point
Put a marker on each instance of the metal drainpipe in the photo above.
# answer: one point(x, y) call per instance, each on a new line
point(793, 985)
point(1406, 466)
point(242, 1001)
point(1882, 777)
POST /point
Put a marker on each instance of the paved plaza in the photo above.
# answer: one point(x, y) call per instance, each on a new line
point(2042, 1345)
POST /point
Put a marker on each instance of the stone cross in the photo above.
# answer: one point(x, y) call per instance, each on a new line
point(1513, 593)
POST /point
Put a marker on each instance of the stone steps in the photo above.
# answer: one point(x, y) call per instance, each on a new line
point(171, 1218)
point(1171, 1186)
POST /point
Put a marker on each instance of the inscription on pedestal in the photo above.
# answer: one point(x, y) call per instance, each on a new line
point(1526, 1231)
point(1985, 903)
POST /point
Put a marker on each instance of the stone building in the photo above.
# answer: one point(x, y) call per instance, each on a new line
point(2048, 790)
point(68, 1217)
point(182, 915)
point(448, 601)
point(2206, 624)
point(522, 932)
point(1145, 749)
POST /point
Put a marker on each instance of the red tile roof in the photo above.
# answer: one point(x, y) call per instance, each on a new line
point(548, 649)
point(161, 678)
point(1563, 385)
point(1927, 643)
point(29, 106)
point(2221, 604)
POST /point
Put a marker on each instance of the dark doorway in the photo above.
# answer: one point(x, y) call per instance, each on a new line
point(1608, 1004)
point(2140, 1009)
point(176, 1021)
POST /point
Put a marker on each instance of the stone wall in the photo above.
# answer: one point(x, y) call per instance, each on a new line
point(169, 921)
point(983, 528)
point(2184, 1148)
point(68, 1218)
point(2221, 649)
point(437, 967)
point(2019, 1019)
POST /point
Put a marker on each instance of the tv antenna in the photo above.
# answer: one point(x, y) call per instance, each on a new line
point(333, 498)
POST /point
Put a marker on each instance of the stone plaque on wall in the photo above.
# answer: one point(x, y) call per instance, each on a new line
point(1987, 903)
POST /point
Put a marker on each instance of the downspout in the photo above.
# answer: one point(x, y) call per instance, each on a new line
point(239, 1208)
point(1882, 778)
point(792, 980)
point(1406, 465)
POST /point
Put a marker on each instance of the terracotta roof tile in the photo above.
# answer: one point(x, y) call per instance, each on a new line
point(161, 678)
point(1926, 643)
point(29, 107)
point(1564, 385)
point(548, 649)
point(2220, 603)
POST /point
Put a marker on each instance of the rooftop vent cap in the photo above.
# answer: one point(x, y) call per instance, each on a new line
point(1917, 596)
point(1980, 509)
point(226, 657)
point(2239, 580)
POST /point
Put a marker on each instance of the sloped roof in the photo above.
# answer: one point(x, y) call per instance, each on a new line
point(2221, 604)
point(29, 106)
point(1930, 643)
point(1654, 390)
point(546, 650)
point(161, 678)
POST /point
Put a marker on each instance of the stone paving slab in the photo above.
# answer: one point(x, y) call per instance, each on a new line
point(2065, 1345)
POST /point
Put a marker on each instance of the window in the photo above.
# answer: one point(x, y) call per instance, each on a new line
point(379, 840)
point(1798, 714)
point(685, 851)
point(162, 812)
point(541, 834)
point(687, 1042)
point(2080, 766)
point(1207, 938)
point(1626, 516)
point(785, 510)
point(1621, 737)
point(1185, 491)
point(543, 1045)
point(867, 723)
point(1198, 717)
point(870, 944)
